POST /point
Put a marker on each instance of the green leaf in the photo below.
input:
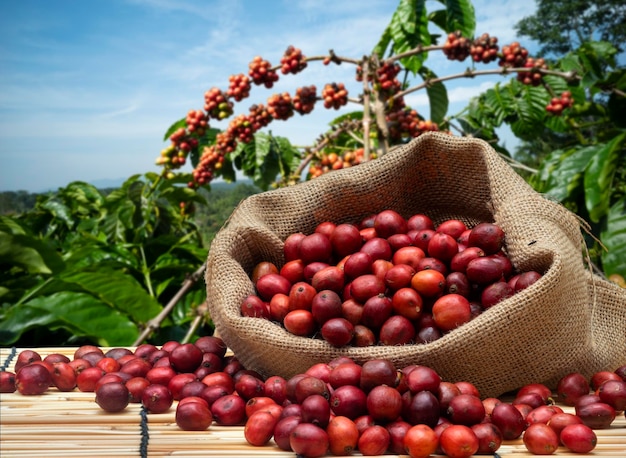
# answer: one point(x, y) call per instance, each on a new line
point(11, 226)
point(530, 111)
point(60, 211)
point(563, 172)
point(599, 177)
point(177, 125)
point(264, 159)
point(594, 57)
point(383, 43)
point(227, 172)
point(353, 115)
point(460, 16)
point(115, 256)
point(437, 96)
point(614, 239)
point(604, 50)
point(119, 291)
point(616, 108)
point(29, 253)
point(501, 101)
point(205, 140)
point(408, 29)
point(439, 18)
point(571, 63)
point(289, 156)
point(82, 315)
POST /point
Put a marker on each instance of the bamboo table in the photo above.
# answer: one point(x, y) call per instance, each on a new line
point(70, 424)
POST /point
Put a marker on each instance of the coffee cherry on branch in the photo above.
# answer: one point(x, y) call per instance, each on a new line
point(403, 123)
point(427, 126)
point(261, 72)
point(197, 121)
point(334, 95)
point(558, 104)
point(241, 129)
point(484, 49)
point(225, 142)
point(533, 77)
point(216, 104)
point(305, 98)
point(280, 106)
point(513, 55)
point(327, 162)
point(359, 74)
point(292, 61)
point(259, 116)
point(239, 87)
point(203, 173)
point(386, 77)
point(457, 47)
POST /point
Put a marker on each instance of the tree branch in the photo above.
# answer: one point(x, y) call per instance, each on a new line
point(155, 322)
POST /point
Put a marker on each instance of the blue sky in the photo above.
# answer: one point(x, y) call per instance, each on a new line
point(88, 88)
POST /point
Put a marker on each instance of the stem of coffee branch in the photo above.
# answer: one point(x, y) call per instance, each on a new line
point(155, 323)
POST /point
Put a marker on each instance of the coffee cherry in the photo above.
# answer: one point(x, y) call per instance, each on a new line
point(292, 61)
point(558, 104)
point(280, 106)
point(261, 72)
point(197, 121)
point(484, 49)
point(240, 128)
point(304, 100)
point(403, 123)
point(513, 55)
point(216, 104)
point(457, 47)
point(239, 87)
point(386, 76)
point(534, 77)
point(334, 95)
point(259, 116)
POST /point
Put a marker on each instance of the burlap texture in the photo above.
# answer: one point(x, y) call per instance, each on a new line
point(568, 320)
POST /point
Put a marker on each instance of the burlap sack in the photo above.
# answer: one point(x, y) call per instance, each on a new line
point(568, 320)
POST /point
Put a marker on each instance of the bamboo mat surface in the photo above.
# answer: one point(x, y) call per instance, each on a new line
point(70, 424)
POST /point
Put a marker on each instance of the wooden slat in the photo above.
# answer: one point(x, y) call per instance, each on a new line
point(70, 424)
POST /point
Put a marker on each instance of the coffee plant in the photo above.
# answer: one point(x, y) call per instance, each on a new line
point(87, 267)
point(580, 95)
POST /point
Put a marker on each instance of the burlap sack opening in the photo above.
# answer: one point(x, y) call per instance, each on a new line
point(539, 334)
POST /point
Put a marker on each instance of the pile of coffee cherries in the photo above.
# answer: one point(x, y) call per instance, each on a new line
point(386, 280)
point(337, 408)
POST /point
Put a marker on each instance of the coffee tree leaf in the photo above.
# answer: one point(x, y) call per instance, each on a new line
point(439, 18)
point(561, 173)
point(408, 29)
point(29, 253)
point(353, 115)
point(227, 171)
point(500, 100)
point(599, 176)
point(80, 314)
point(530, 110)
point(118, 290)
point(460, 16)
point(289, 157)
point(437, 96)
point(174, 127)
point(613, 237)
